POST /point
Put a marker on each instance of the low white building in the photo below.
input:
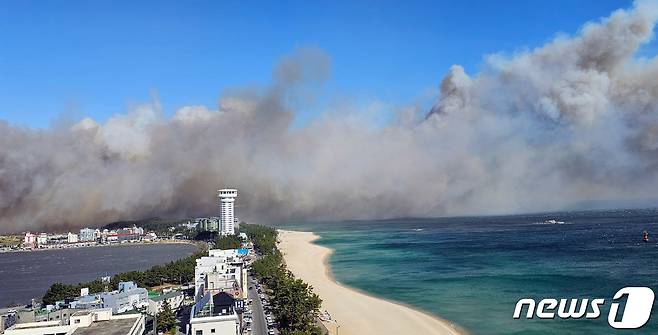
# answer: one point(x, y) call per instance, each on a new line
point(42, 239)
point(150, 237)
point(126, 298)
point(72, 238)
point(173, 298)
point(98, 321)
point(30, 240)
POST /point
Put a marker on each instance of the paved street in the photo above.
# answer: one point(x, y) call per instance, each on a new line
point(258, 326)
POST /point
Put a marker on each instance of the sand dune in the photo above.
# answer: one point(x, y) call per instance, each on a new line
point(354, 312)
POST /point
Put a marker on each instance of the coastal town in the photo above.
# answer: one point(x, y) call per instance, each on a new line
point(224, 292)
point(127, 232)
point(86, 237)
point(90, 237)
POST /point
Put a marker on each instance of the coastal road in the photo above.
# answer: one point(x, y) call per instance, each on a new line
point(258, 324)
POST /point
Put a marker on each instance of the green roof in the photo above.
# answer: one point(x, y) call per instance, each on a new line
point(166, 296)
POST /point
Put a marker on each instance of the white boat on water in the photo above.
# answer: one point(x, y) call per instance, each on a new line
point(553, 221)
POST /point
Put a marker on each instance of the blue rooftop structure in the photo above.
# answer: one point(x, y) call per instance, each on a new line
point(242, 252)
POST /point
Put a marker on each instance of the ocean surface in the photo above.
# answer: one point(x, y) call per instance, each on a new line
point(27, 275)
point(473, 270)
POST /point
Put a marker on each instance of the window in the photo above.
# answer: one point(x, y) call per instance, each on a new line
point(212, 330)
point(77, 321)
point(199, 332)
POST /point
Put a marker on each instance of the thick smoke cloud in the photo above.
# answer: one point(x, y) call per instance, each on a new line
point(571, 121)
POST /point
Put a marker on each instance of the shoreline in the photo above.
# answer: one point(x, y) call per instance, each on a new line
point(352, 310)
point(198, 245)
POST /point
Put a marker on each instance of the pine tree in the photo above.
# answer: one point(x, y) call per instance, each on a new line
point(166, 318)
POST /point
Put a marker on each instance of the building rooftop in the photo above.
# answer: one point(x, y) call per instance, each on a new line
point(110, 327)
point(166, 296)
point(221, 304)
point(86, 311)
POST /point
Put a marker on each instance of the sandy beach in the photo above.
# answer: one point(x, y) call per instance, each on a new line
point(355, 313)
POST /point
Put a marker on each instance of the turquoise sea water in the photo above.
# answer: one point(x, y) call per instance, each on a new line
point(473, 270)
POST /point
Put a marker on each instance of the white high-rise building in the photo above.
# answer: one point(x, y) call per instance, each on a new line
point(227, 211)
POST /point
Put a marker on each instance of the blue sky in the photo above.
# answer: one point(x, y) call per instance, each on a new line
point(96, 58)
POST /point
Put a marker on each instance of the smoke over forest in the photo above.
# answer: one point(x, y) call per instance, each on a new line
point(573, 120)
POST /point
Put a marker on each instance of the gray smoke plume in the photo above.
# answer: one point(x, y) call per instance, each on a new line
point(573, 120)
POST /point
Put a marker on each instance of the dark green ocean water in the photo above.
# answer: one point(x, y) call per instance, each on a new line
point(473, 270)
